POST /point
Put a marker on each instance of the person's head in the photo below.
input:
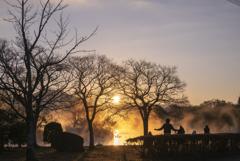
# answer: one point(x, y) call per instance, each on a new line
point(167, 121)
point(206, 126)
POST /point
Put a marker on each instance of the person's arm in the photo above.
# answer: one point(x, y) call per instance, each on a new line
point(160, 128)
point(174, 129)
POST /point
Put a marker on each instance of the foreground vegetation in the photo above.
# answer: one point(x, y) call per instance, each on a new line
point(99, 153)
point(50, 154)
point(187, 145)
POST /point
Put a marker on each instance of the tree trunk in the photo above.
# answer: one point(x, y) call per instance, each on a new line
point(145, 130)
point(35, 130)
point(35, 136)
point(30, 140)
point(91, 144)
point(145, 125)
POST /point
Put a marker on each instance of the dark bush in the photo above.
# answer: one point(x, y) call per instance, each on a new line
point(7, 120)
point(50, 131)
point(68, 142)
point(3, 129)
point(17, 134)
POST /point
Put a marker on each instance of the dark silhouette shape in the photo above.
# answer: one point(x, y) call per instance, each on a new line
point(150, 133)
point(167, 127)
point(50, 131)
point(181, 130)
point(68, 142)
point(206, 130)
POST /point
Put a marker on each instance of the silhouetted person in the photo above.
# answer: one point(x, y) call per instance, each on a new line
point(194, 132)
point(206, 130)
point(150, 133)
point(181, 130)
point(167, 127)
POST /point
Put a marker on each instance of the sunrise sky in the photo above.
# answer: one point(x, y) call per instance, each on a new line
point(201, 37)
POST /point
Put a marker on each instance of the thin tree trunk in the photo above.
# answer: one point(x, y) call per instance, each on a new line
point(91, 144)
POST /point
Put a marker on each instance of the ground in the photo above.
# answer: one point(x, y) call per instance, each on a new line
point(100, 153)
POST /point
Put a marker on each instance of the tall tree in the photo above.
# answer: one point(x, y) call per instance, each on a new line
point(31, 67)
point(145, 86)
point(94, 85)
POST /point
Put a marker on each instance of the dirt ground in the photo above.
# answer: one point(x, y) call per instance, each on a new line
point(101, 153)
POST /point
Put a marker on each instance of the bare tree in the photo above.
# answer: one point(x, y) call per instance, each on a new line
point(94, 85)
point(31, 67)
point(145, 86)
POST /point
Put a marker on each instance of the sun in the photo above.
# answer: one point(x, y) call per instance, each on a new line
point(116, 99)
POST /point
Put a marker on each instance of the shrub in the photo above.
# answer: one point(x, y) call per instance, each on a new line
point(3, 129)
point(17, 134)
point(50, 131)
point(7, 120)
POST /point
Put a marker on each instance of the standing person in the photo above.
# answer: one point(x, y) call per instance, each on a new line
point(206, 130)
point(167, 128)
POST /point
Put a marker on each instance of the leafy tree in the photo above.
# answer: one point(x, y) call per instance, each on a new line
point(17, 133)
point(32, 70)
point(50, 131)
point(94, 85)
point(145, 86)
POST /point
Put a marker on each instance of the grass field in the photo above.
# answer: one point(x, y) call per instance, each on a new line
point(100, 153)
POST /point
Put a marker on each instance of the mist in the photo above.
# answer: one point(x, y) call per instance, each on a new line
point(220, 116)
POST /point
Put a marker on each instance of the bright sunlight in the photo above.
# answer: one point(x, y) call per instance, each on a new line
point(116, 136)
point(116, 99)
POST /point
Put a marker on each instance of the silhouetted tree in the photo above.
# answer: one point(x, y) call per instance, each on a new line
point(94, 85)
point(215, 103)
point(32, 70)
point(238, 103)
point(145, 85)
point(50, 131)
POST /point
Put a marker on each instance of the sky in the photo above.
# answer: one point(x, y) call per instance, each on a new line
point(200, 37)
